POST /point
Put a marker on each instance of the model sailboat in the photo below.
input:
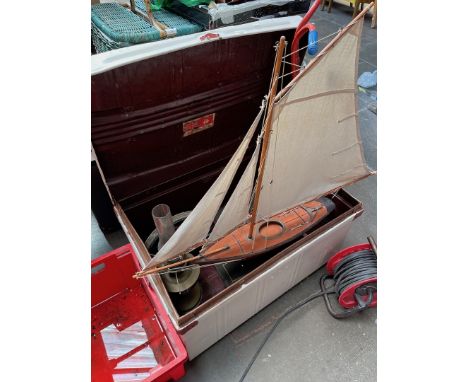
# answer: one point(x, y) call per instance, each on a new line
point(308, 147)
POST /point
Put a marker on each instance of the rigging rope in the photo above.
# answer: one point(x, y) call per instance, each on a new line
point(306, 46)
point(291, 72)
point(298, 50)
point(290, 63)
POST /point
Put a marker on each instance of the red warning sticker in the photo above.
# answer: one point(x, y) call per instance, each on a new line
point(199, 124)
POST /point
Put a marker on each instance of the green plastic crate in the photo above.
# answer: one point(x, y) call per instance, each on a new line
point(179, 25)
point(114, 26)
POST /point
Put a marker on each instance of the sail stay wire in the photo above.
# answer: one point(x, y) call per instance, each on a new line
point(296, 51)
point(291, 72)
point(321, 39)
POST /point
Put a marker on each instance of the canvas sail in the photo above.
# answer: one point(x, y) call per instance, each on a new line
point(196, 226)
point(315, 144)
point(237, 208)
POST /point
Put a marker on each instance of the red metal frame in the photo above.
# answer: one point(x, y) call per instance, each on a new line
point(347, 299)
point(117, 299)
point(303, 27)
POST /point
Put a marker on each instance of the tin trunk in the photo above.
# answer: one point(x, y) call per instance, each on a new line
point(163, 128)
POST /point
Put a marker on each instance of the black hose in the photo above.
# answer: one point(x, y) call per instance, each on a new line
point(278, 321)
point(354, 268)
point(350, 270)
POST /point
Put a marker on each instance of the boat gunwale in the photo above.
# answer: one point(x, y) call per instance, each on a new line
point(260, 224)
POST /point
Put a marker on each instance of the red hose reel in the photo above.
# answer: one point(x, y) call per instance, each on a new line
point(346, 298)
point(352, 276)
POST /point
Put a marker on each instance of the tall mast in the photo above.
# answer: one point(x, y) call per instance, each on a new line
point(266, 138)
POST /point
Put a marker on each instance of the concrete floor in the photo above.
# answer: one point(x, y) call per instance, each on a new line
point(309, 345)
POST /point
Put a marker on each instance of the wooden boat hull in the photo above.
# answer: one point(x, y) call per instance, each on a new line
point(280, 229)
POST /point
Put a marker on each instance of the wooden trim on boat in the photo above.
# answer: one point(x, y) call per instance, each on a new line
point(237, 245)
point(266, 137)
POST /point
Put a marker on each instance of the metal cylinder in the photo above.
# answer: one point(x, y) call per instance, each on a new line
point(164, 223)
